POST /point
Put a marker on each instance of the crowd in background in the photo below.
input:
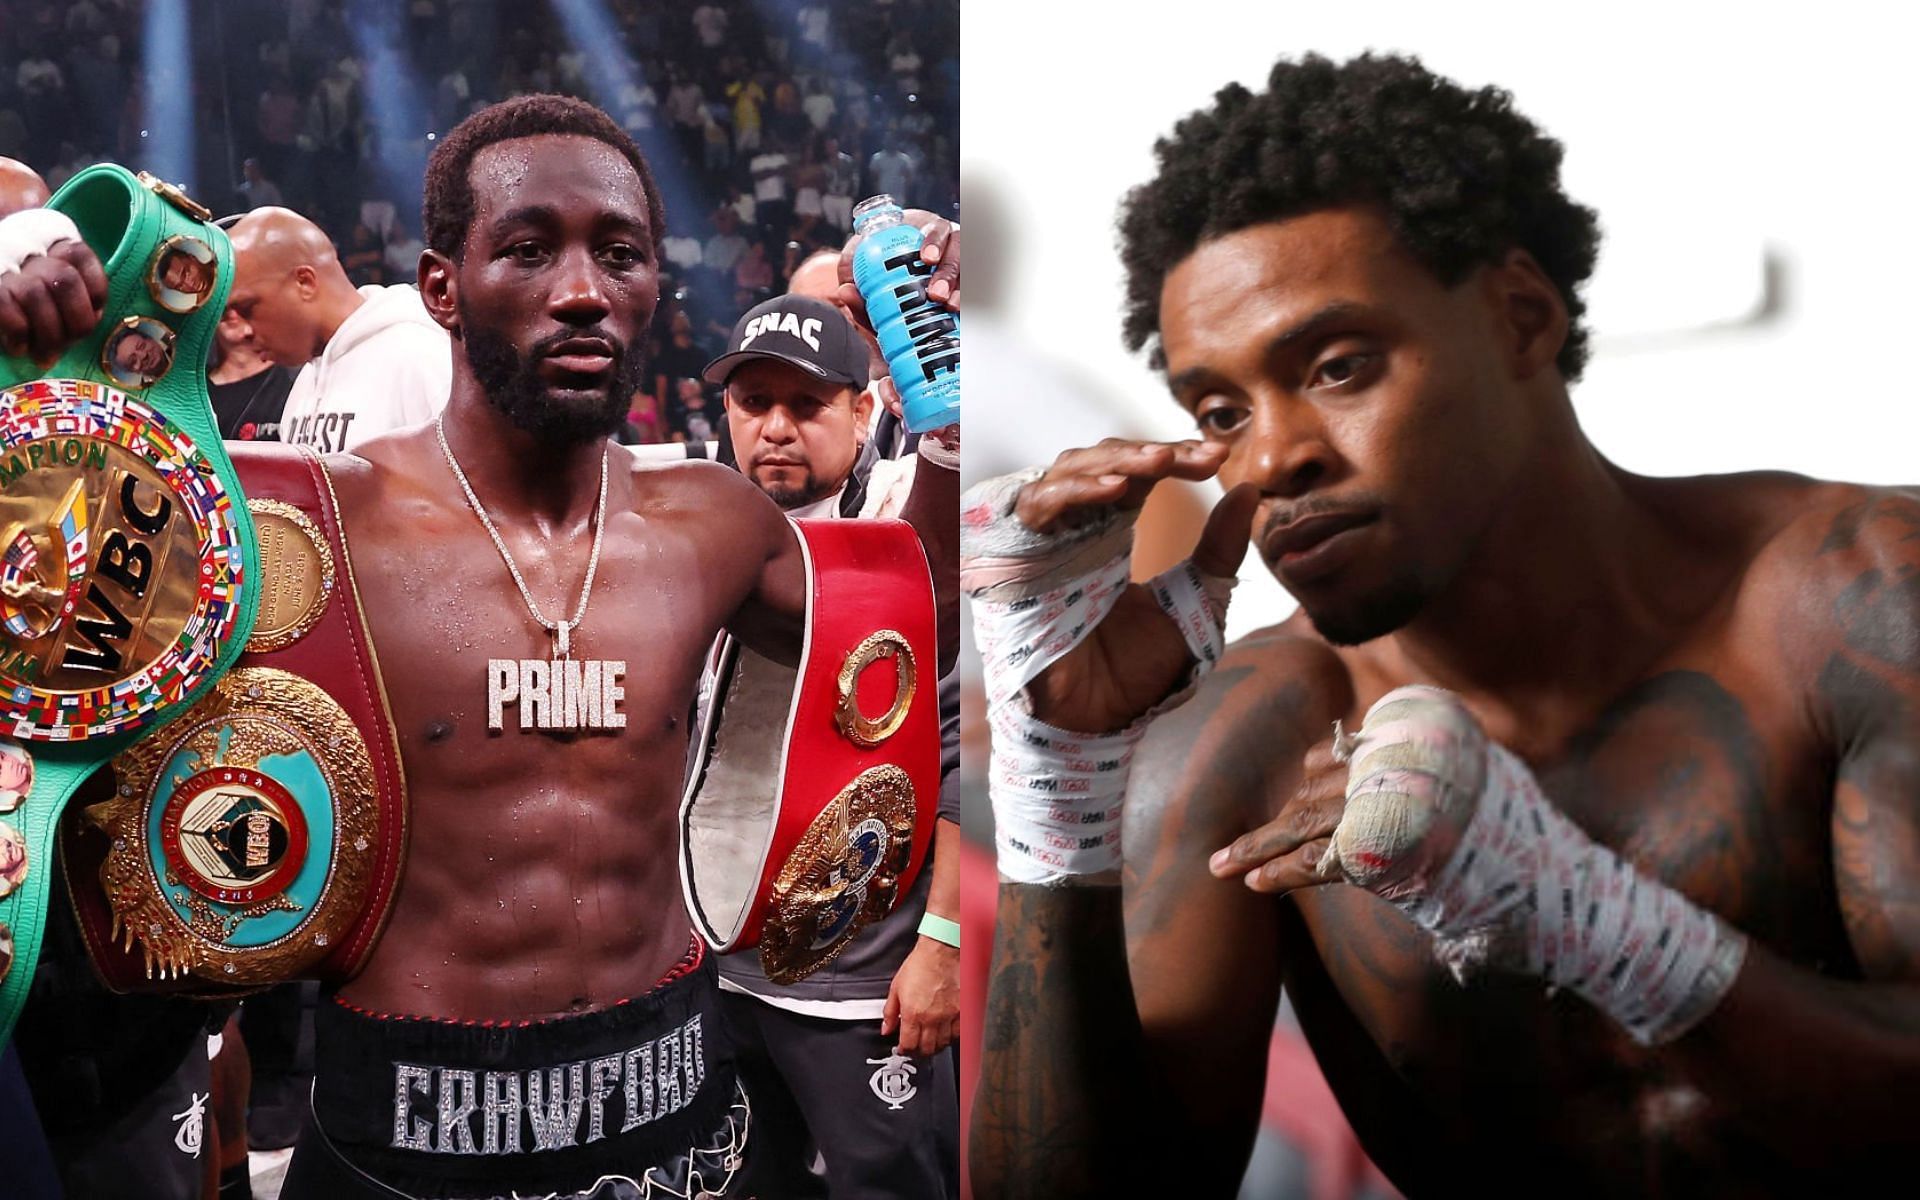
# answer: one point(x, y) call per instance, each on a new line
point(764, 122)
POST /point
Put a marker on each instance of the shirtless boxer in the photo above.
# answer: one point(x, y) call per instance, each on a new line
point(542, 884)
point(537, 1017)
point(1362, 284)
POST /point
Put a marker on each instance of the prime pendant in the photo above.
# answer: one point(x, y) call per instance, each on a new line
point(564, 694)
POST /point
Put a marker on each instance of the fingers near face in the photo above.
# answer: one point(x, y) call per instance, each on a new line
point(1116, 471)
point(1285, 852)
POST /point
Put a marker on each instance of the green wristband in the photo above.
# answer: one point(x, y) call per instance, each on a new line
point(126, 548)
point(941, 930)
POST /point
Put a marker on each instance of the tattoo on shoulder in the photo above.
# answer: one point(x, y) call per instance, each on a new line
point(1900, 510)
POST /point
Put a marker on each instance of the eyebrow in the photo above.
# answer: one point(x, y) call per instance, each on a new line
point(1305, 329)
point(546, 214)
point(531, 214)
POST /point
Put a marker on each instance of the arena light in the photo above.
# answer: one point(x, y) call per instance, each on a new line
point(393, 100)
point(167, 96)
point(611, 71)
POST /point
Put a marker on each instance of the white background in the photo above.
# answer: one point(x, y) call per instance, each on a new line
point(1711, 139)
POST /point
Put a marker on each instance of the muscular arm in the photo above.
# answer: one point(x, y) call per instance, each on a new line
point(1127, 1025)
point(772, 618)
point(1789, 1046)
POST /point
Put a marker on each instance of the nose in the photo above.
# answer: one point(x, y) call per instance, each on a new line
point(578, 294)
point(777, 426)
point(1289, 453)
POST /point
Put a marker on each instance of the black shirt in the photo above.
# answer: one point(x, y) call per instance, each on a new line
point(249, 409)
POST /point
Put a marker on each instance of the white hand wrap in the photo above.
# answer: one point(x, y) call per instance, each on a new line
point(31, 232)
point(1057, 794)
point(1454, 830)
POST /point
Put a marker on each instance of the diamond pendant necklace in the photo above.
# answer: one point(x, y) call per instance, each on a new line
point(559, 692)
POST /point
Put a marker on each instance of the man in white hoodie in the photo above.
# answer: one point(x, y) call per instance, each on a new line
point(371, 359)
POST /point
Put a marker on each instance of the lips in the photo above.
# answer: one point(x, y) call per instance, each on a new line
point(1311, 546)
point(580, 355)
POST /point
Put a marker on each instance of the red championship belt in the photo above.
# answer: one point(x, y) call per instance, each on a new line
point(811, 800)
point(259, 837)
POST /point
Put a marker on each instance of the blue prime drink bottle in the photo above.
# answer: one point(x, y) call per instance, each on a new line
point(920, 337)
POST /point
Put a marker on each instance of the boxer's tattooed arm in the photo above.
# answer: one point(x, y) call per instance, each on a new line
point(1061, 1109)
point(1096, 1075)
point(1837, 1090)
point(1871, 688)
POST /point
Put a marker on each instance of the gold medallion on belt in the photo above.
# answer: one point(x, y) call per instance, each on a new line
point(239, 834)
point(845, 870)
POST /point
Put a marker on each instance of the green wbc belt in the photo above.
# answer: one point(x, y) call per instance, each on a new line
point(127, 555)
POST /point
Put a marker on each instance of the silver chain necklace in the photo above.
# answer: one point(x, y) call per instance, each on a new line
point(560, 630)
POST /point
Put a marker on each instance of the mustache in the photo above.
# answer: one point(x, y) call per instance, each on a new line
point(766, 456)
point(553, 341)
point(1316, 506)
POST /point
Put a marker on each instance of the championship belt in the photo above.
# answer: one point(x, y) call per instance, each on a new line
point(127, 557)
point(259, 837)
point(812, 799)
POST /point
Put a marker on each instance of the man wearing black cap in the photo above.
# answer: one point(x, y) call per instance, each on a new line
point(795, 374)
point(855, 1061)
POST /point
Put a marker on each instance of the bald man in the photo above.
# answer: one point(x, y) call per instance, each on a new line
point(371, 360)
point(20, 187)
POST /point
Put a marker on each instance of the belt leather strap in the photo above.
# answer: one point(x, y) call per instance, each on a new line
point(125, 545)
point(812, 799)
point(260, 837)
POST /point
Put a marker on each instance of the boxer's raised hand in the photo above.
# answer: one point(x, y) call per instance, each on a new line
point(1136, 656)
point(52, 301)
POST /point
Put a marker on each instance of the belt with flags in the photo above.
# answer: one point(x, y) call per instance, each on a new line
point(127, 556)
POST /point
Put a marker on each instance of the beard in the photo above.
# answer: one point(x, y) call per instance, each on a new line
point(512, 384)
point(1378, 613)
point(788, 497)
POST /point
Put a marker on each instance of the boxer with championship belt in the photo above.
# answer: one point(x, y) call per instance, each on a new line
point(126, 552)
point(537, 1016)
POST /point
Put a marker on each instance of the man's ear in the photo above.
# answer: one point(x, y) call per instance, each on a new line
point(440, 291)
point(1529, 312)
point(307, 281)
point(862, 415)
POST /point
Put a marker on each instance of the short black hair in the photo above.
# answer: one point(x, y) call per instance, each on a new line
point(447, 206)
point(1462, 179)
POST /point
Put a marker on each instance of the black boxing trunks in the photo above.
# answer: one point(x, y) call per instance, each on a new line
point(638, 1099)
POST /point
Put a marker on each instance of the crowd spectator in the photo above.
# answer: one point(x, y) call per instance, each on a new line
point(764, 123)
point(256, 190)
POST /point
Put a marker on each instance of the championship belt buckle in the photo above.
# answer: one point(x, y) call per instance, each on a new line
point(225, 833)
point(126, 550)
point(812, 798)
